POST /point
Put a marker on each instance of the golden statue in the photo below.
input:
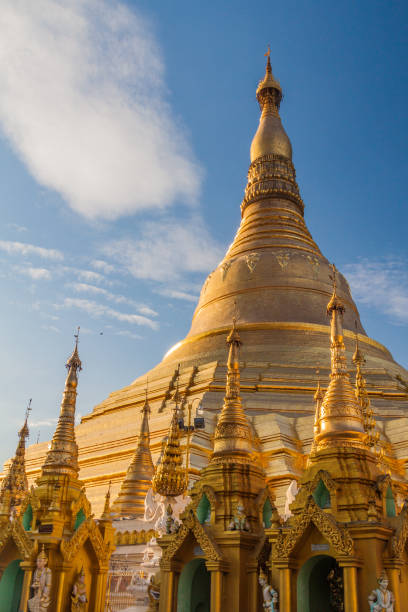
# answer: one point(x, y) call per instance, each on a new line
point(79, 599)
point(41, 585)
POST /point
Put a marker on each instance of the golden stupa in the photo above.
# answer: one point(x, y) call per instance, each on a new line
point(275, 278)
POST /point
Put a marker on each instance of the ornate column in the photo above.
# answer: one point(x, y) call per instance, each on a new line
point(170, 572)
point(349, 566)
point(252, 572)
point(28, 569)
point(217, 569)
point(59, 575)
point(285, 586)
point(101, 579)
point(393, 570)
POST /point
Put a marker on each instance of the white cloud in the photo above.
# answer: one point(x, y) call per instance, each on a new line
point(106, 267)
point(382, 284)
point(89, 275)
point(83, 102)
point(22, 248)
point(16, 227)
point(100, 310)
point(33, 273)
point(51, 328)
point(128, 334)
point(178, 295)
point(167, 249)
point(45, 423)
point(113, 297)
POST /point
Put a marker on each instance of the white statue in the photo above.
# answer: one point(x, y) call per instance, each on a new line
point(291, 493)
point(270, 596)
point(156, 506)
point(381, 599)
point(41, 585)
point(152, 506)
point(239, 520)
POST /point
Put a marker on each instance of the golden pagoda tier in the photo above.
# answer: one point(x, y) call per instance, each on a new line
point(277, 281)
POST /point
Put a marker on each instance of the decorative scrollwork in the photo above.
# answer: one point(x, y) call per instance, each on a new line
point(88, 530)
point(191, 524)
point(15, 531)
point(338, 537)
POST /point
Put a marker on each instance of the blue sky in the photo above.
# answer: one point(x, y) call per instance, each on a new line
point(125, 133)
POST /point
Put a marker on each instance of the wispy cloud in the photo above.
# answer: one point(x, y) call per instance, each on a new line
point(382, 284)
point(51, 328)
point(128, 334)
point(44, 423)
point(94, 309)
point(104, 266)
point(113, 297)
point(167, 249)
point(178, 295)
point(33, 273)
point(24, 249)
point(16, 227)
point(90, 75)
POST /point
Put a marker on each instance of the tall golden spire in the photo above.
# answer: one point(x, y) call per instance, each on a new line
point(15, 482)
point(170, 477)
point(138, 479)
point(318, 398)
point(271, 173)
point(271, 138)
point(232, 440)
point(62, 458)
point(363, 399)
point(341, 419)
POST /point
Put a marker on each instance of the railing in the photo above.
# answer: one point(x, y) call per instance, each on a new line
point(126, 590)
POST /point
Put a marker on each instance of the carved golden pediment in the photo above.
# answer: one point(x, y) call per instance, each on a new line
point(81, 503)
point(15, 531)
point(337, 536)
point(88, 530)
point(190, 524)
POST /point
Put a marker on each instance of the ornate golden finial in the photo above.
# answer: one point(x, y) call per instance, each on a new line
point(170, 477)
point(106, 514)
point(130, 500)
point(15, 481)
point(42, 554)
point(232, 440)
point(341, 421)
point(318, 398)
point(62, 458)
point(269, 91)
point(362, 397)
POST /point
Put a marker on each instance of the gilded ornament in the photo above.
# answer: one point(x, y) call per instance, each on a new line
point(251, 261)
point(283, 260)
point(224, 269)
point(337, 536)
point(79, 599)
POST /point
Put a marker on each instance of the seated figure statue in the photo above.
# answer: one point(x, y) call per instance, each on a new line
point(381, 599)
point(270, 596)
point(172, 526)
point(239, 520)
